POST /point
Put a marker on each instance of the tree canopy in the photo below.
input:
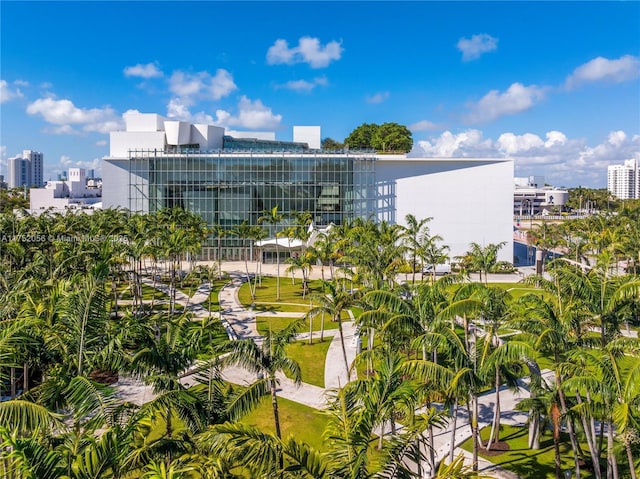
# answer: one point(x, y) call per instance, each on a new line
point(388, 137)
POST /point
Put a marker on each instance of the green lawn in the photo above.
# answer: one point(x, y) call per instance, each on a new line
point(527, 463)
point(276, 323)
point(540, 464)
point(311, 359)
point(304, 423)
point(289, 293)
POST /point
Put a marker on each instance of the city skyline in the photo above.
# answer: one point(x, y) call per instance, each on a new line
point(553, 85)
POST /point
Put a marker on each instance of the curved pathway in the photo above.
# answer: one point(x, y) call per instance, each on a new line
point(240, 323)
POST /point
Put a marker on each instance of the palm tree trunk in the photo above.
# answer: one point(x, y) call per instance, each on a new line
point(278, 270)
point(632, 468)
point(25, 377)
point(494, 436)
point(590, 442)
point(344, 350)
point(474, 431)
point(555, 418)
point(452, 442)
point(274, 405)
point(572, 434)
point(322, 328)
point(612, 463)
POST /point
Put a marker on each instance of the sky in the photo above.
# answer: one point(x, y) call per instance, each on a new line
point(554, 85)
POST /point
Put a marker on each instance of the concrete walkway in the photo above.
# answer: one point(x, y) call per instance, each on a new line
point(240, 323)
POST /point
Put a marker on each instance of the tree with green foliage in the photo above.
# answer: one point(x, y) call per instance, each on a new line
point(329, 144)
point(386, 138)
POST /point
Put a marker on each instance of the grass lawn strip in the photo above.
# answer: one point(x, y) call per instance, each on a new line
point(311, 358)
point(303, 422)
point(276, 323)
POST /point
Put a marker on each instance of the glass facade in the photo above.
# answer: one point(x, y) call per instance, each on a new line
point(228, 188)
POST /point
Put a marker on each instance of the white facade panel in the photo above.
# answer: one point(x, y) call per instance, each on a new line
point(209, 137)
point(177, 132)
point(307, 134)
point(116, 176)
point(144, 122)
point(470, 200)
point(122, 141)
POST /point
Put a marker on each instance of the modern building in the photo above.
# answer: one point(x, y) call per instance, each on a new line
point(157, 163)
point(26, 170)
point(623, 181)
point(532, 197)
point(61, 195)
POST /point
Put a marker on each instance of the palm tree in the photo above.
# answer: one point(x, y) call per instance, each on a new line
point(415, 234)
point(334, 303)
point(265, 360)
point(484, 258)
point(273, 217)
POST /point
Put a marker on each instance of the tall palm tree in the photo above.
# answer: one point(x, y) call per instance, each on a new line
point(414, 236)
point(265, 360)
point(484, 258)
point(334, 303)
point(274, 217)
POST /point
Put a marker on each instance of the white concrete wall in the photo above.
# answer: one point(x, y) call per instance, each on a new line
point(470, 200)
point(177, 132)
point(307, 134)
point(144, 122)
point(122, 141)
point(115, 180)
point(209, 137)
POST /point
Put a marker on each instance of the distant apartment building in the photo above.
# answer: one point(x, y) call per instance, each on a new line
point(623, 181)
point(26, 170)
point(532, 197)
point(75, 192)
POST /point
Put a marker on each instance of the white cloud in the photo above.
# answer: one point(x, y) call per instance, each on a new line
point(302, 85)
point(309, 50)
point(475, 46)
point(253, 115)
point(424, 125)
point(65, 114)
point(494, 104)
point(202, 85)
point(101, 143)
point(149, 70)
point(562, 161)
point(378, 97)
point(3, 151)
point(622, 69)
point(7, 93)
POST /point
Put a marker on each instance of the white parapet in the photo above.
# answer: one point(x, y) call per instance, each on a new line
point(178, 132)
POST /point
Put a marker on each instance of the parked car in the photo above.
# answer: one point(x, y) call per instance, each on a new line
point(440, 269)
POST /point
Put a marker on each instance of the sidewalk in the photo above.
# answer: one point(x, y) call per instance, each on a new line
point(240, 323)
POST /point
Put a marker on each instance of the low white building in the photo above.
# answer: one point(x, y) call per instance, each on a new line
point(531, 197)
point(73, 193)
point(228, 179)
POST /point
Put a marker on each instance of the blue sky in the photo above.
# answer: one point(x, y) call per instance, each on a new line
point(554, 85)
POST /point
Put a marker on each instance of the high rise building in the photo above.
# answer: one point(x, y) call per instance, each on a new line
point(26, 170)
point(623, 181)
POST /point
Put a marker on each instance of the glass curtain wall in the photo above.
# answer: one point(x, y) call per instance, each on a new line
point(227, 189)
